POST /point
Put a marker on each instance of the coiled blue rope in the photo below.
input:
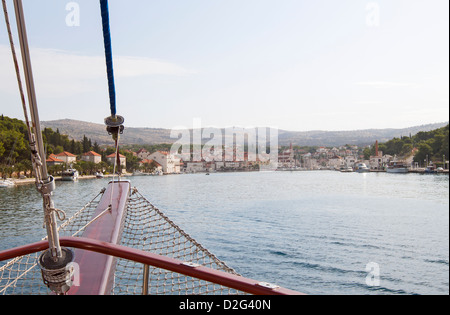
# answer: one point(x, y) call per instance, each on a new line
point(108, 55)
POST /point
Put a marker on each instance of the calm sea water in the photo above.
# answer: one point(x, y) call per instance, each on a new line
point(314, 232)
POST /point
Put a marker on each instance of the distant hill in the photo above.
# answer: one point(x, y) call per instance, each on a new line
point(354, 137)
point(97, 133)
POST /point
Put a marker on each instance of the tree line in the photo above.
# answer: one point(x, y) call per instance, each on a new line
point(425, 145)
point(15, 150)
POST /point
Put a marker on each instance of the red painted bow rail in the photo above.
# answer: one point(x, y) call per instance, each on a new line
point(146, 258)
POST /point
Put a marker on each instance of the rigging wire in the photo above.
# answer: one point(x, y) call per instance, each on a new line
point(108, 54)
point(45, 184)
point(16, 65)
point(31, 137)
point(114, 122)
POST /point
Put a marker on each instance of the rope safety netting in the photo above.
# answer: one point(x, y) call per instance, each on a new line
point(145, 228)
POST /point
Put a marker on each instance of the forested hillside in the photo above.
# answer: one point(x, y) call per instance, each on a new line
point(14, 146)
point(433, 145)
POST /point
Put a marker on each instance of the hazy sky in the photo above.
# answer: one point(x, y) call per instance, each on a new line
point(292, 64)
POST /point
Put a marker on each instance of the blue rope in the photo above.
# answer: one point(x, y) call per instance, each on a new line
point(108, 54)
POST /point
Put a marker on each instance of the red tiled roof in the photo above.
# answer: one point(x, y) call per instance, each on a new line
point(53, 159)
point(66, 154)
point(91, 153)
point(149, 162)
point(114, 155)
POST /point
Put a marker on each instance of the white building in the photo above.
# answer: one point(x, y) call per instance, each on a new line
point(52, 160)
point(67, 157)
point(379, 162)
point(112, 159)
point(350, 161)
point(170, 163)
point(92, 156)
point(143, 154)
point(336, 162)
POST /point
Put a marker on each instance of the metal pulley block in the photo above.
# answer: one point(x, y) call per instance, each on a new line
point(114, 125)
point(57, 274)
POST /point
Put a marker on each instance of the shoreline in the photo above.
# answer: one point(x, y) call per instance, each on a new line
point(30, 181)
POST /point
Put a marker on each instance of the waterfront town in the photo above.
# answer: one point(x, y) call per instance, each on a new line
point(426, 151)
point(423, 152)
point(165, 163)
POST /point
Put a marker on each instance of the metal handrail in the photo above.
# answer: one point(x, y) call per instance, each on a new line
point(219, 277)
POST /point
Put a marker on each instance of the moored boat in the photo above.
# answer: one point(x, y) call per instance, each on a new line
point(362, 168)
point(70, 175)
point(346, 170)
point(6, 183)
point(397, 168)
